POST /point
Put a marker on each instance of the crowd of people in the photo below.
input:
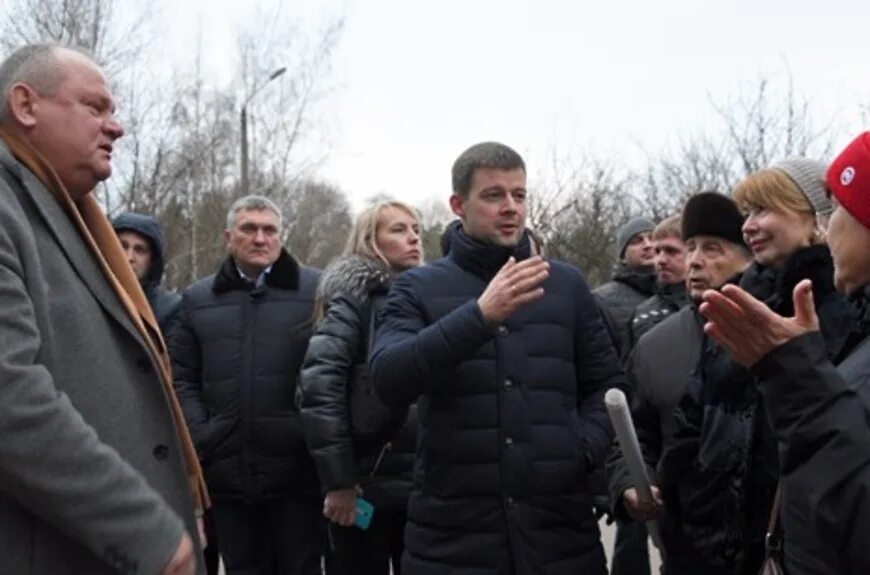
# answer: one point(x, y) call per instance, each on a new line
point(385, 415)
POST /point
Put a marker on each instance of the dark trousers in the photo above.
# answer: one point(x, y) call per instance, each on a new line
point(370, 552)
point(211, 552)
point(630, 553)
point(274, 537)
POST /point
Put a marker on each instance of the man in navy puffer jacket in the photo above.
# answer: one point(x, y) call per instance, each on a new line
point(510, 361)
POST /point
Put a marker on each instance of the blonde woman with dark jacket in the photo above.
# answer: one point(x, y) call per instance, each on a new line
point(360, 446)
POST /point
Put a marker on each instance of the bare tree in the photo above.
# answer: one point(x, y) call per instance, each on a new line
point(766, 122)
point(699, 164)
point(435, 215)
point(91, 25)
point(769, 122)
point(580, 204)
point(284, 119)
point(317, 222)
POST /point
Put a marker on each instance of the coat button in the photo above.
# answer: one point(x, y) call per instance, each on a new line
point(503, 330)
point(161, 452)
point(508, 384)
point(144, 365)
point(510, 502)
point(508, 442)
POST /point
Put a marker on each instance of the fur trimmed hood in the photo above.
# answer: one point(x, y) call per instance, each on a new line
point(353, 275)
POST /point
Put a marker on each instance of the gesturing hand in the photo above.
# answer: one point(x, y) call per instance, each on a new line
point(748, 329)
point(515, 285)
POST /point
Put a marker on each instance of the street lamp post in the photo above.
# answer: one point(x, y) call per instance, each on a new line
point(244, 126)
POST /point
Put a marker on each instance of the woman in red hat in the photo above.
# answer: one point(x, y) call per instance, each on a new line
point(820, 414)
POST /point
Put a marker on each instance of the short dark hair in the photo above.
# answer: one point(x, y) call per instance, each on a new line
point(482, 155)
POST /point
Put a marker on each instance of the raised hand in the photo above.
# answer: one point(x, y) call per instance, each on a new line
point(515, 285)
point(748, 329)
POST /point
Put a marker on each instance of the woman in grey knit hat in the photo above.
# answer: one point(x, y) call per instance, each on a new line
point(785, 208)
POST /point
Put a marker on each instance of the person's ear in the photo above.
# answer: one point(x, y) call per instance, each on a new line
point(457, 206)
point(23, 105)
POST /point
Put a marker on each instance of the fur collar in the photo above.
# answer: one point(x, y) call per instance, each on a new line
point(775, 287)
point(354, 275)
point(284, 275)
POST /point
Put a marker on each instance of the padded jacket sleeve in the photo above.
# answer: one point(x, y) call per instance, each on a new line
point(822, 423)
point(410, 353)
point(323, 391)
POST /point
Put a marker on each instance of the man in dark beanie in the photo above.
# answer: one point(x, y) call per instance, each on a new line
point(659, 366)
point(142, 241)
point(633, 279)
point(633, 282)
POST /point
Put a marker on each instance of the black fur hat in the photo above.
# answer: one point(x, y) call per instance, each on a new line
point(712, 214)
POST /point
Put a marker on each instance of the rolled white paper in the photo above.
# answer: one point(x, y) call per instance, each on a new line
point(620, 416)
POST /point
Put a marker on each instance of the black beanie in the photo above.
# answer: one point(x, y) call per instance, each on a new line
point(712, 214)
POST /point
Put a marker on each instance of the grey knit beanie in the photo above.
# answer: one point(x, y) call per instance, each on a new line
point(629, 230)
point(809, 175)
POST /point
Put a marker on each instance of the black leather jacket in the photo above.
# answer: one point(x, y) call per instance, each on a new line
point(351, 290)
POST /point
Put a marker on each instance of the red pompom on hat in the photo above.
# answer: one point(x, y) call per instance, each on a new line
point(849, 178)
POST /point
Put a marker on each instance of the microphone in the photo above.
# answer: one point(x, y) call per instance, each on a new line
point(620, 416)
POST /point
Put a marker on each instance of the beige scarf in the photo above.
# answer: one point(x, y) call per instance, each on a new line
point(100, 237)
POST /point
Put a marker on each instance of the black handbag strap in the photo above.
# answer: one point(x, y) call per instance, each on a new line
point(374, 306)
point(773, 538)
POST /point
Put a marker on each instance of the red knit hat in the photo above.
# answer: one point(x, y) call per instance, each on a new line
point(849, 178)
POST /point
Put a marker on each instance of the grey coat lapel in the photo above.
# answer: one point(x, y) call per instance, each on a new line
point(67, 237)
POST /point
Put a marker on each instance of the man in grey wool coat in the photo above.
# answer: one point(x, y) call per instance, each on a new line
point(96, 468)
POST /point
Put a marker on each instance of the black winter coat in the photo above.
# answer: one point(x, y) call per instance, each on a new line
point(720, 473)
point(669, 299)
point(820, 415)
point(337, 353)
point(236, 351)
point(658, 369)
point(512, 416)
point(625, 291)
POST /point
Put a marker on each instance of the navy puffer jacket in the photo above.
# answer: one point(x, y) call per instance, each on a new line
point(512, 416)
point(236, 352)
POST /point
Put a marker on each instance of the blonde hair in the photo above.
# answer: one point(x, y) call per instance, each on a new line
point(670, 227)
point(773, 190)
point(362, 240)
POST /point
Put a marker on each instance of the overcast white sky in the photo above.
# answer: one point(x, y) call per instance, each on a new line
point(417, 82)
